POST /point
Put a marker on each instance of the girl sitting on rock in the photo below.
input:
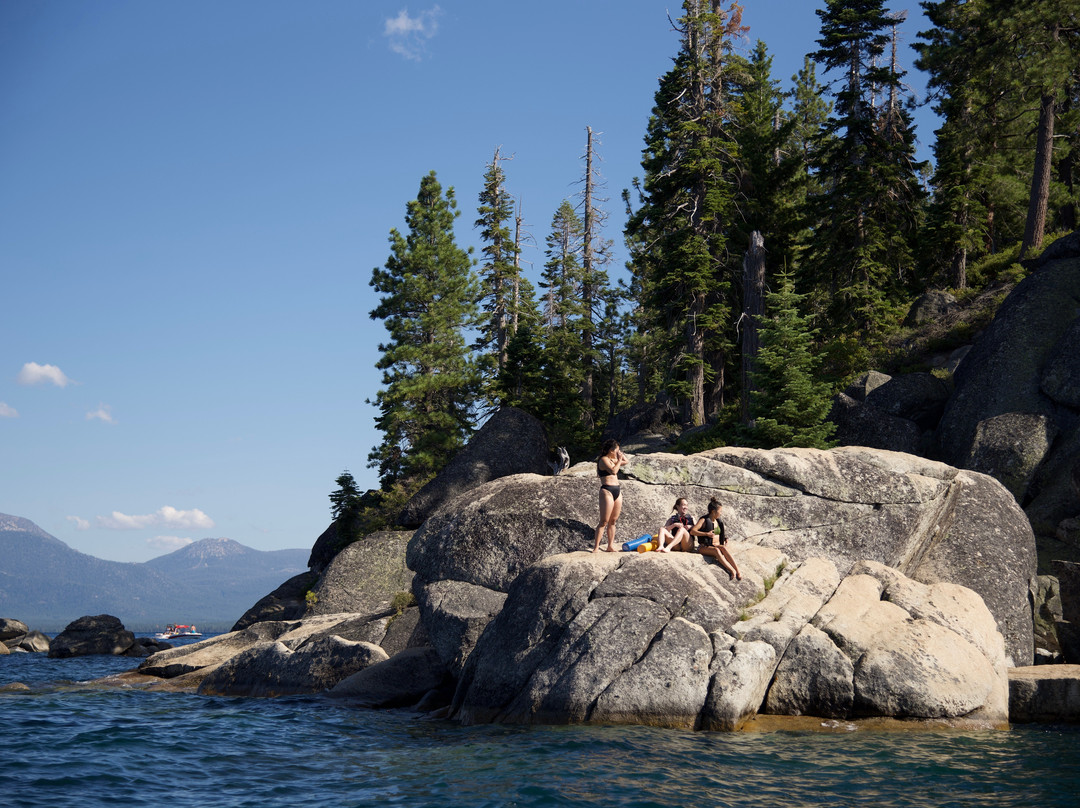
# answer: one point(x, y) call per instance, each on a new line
point(712, 541)
point(676, 530)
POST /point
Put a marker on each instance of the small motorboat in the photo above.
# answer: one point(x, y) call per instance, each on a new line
point(177, 631)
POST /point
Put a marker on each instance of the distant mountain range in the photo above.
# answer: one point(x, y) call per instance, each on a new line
point(211, 583)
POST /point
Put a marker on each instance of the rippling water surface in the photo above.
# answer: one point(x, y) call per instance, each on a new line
point(64, 743)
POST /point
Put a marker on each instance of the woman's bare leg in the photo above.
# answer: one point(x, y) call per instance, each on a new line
point(731, 562)
point(712, 552)
point(607, 504)
point(616, 509)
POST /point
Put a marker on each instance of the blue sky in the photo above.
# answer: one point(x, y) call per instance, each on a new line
point(193, 197)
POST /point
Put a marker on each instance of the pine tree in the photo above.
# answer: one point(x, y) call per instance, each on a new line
point(789, 405)
point(346, 499)
point(563, 367)
point(868, 215)
point(688, 201)
point(499, 272)
point(430, 381)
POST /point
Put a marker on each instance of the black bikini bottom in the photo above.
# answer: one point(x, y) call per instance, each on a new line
point(614, 490)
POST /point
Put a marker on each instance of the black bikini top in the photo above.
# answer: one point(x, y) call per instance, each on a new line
point(601, 471)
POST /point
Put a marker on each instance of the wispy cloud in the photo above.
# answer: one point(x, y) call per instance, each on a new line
point(80, 523)
point(33, 373)
point(168, 543)
point(8, 412)
point(163, 517)
point(102, 413)
point(408, 35)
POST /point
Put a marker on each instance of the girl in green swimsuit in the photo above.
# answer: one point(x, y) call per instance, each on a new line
point(712, 540)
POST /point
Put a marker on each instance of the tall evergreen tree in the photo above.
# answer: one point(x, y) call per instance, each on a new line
point(430, 381)
point(499, 271)
point(680, 229)
point(872, 204)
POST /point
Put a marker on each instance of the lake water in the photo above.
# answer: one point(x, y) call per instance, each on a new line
point(64, 742)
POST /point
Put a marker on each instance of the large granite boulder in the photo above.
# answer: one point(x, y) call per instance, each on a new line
point(931, 306)
point(886, 645)
point(34, 642)
point(11, 629)
point(916, 397)
point(1010, 448)
point(403, 680)
point(667, 641)
point(510, 442)
point(100, 634)
point(1026, 363)
point(365, 576)
point(195, 662)
point(932, 522)
point(273, 669)
point(861, 424)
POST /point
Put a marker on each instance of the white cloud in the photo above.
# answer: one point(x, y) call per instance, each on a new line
point(102, 413)
point(8, 412)
point(33, 373)
point(408, 35)
point(168, 543)
point(80, 523)
point(163, 517)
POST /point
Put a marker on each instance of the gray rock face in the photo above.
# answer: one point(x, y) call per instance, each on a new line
point(273, 669)
point(11, 629)
point(1061, 374)
point(932, 522)
point(1068, 577)
point(364, 577)
point(1045, 693)
point(456, 613)
point(401, 681)
point(1026, 362)
point(917, 397)
point(199, 660)
point(860, 424)
point(34, 642)
point(648, 639)
point(1010, 448)
point(511, 442)
point(100, 634)
point(931, 306)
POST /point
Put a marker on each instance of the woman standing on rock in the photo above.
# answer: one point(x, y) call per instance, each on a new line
point(607, 469)
point(712, 540)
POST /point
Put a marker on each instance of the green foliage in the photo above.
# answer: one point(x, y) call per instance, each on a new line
point(402, 601)
point(789, 405)
point(498, 271)
point(430, 381)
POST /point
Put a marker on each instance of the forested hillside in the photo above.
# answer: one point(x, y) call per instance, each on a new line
point(778, 234)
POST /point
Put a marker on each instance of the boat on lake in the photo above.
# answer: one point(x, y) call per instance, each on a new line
point(177, 631)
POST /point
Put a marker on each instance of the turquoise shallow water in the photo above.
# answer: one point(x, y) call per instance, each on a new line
point(69, 744)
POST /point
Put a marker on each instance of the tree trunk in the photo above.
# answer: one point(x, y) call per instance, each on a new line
point(1035, 228)
point(694, 406)
point(588, 284)
point(753, 310)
